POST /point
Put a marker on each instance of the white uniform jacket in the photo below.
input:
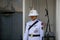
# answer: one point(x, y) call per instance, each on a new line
point(35, 30)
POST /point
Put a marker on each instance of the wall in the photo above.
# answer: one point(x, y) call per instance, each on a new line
point(57, 19)
point(17, 4)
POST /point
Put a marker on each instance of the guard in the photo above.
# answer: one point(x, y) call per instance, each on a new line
point(34, 28)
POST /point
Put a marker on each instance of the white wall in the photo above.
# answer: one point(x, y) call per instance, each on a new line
point(57, 19)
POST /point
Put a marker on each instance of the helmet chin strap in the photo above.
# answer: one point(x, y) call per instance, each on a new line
point(34, 19)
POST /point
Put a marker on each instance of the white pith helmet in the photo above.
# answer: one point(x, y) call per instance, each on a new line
point(33, 13)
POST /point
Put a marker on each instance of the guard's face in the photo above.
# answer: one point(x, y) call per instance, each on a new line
point(33, 17)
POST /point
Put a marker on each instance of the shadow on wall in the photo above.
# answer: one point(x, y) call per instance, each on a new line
point(11, 26)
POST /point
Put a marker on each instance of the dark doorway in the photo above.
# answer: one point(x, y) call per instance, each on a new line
point(11, 26)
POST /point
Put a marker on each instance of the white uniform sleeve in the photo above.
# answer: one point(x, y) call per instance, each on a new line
point(41, 32)
point(26, 33)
